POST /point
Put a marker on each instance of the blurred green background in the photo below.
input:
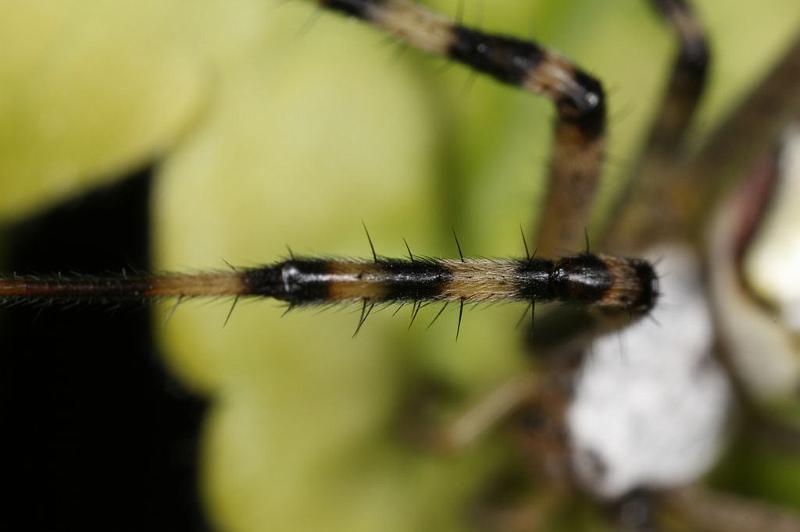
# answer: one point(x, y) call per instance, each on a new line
point(274, 124)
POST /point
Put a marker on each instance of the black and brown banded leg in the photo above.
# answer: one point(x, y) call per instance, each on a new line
point(602, 282)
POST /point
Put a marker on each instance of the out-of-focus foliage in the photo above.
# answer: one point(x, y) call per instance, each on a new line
point(275, 125)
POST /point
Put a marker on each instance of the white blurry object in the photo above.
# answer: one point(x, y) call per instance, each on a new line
point(772, 266)
point(651, 404)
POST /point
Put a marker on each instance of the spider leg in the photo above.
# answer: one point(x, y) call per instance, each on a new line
point(748, 132)
point(684, 191)
point(575, 169)
point(482, 416)
point(687, 80)
point(654, 172)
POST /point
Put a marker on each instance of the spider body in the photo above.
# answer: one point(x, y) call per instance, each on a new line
point(576, 165)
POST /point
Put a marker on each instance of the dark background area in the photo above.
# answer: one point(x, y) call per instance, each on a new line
point(95, 434)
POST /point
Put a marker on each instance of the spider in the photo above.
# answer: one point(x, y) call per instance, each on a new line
point(357, 369)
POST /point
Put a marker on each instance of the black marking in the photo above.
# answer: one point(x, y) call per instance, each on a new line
point(585, 110)
point(356, 8)
point(581, 279)
point(371, 245)
point(505, 58)
point(291, 253)
point(693, 62)
point(298, 282)
point(536, 280)
point(648, 281)
point(421, 279)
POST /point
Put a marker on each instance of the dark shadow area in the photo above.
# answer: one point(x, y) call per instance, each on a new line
point(94, 435)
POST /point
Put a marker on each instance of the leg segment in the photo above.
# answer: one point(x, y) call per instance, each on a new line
point(613, 285)
point(490, 410)
point(748, 133)
point(687, 81)
point(733, 148)
point(654, 174)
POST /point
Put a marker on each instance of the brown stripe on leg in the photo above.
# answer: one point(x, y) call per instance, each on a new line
point(578, 152)
point(353, 281)
point(94, 288)
point(575, 169)
point(213, 284)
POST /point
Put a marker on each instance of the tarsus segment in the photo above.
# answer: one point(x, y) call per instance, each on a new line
point(579, 99)
point(598, 281)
